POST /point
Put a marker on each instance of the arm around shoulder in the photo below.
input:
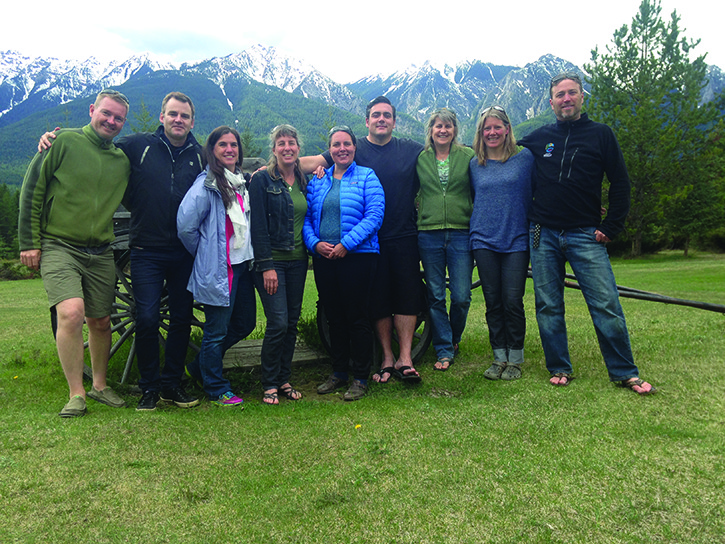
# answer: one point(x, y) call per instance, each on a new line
point(310, 163)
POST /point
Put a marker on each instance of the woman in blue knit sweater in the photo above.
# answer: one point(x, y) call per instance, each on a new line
point(501, 182)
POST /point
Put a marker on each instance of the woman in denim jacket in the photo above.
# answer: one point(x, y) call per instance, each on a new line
point(278, 197)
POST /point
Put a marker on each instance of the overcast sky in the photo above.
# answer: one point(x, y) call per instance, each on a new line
point(344, 40)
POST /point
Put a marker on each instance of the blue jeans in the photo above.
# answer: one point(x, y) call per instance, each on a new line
point(503, 281)
point(224, 327)
point(441, 249)
point(149, 268)
point(282, 311)
point(590, 262)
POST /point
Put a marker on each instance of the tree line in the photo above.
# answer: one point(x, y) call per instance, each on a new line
point(646, 87)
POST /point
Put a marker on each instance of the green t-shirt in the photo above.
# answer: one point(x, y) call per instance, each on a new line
point(299, 201)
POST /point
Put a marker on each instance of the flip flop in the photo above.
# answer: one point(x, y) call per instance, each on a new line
point(639, 383)
point(442, 361)
point(560, 375)
point(400, 373)
point(387, 370)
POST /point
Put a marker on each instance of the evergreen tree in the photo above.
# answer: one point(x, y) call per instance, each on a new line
point(700, 209)
point(143, 121)
point(248, 146)
point(648, 90)
point(9, 202)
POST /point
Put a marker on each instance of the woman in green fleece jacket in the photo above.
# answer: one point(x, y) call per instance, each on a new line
point(444, 214)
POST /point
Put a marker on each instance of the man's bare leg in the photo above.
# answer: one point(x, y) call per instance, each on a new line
point(69, 341)
point(405, 325)
point(384, 330)
point(99, 345)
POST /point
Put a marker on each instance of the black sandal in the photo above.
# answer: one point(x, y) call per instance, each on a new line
point(270, 398)
point(386, 370)
point(290, 393)
point(407, 374)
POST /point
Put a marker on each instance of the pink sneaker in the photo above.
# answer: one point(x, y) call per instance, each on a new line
point(228, 399)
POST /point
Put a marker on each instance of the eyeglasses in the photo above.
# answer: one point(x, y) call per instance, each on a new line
point(497, 108)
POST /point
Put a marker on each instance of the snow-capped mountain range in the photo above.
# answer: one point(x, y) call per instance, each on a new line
point(29, 85)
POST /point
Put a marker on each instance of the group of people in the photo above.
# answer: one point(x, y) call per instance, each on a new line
point(374, 209)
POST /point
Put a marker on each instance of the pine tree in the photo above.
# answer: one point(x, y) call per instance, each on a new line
point(648, 90)
point(248, 146)
point(143, 121)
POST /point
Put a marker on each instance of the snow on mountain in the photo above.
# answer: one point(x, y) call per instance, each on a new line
point(268, 66)
point(30, 84)
point(51, 81)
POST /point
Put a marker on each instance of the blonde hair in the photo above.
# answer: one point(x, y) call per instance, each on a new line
point(115, 95)
point(479, 144)
point(446, 116)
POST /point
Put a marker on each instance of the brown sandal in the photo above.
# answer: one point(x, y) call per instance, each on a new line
point(560, 375)
point(639, 383)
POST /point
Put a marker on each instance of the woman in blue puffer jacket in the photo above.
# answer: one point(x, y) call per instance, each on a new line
point(345, 210)
point(213, 225)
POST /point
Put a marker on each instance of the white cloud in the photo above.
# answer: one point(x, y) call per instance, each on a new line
point(345, 41)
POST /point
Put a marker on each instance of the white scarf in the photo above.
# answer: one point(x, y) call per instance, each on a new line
point(238, 214)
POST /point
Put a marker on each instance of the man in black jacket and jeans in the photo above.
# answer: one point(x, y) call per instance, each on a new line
point(572, 157)
point(164, 165)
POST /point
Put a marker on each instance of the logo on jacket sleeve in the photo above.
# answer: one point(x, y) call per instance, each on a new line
point(549, 149)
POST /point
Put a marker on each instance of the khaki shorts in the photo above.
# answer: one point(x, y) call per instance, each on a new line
point(69, 273)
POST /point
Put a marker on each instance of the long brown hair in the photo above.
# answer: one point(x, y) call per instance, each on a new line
point(218, 170)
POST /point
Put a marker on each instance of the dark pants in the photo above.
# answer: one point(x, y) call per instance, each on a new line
point(224, 327)
point(344, 289)
point(282, 311)
point(503, 281)
point(149, 268)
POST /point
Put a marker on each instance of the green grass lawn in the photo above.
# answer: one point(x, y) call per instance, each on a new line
point(456, 459)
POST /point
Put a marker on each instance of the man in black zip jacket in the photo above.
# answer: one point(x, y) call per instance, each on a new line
point(572, 157)
point(164, 165)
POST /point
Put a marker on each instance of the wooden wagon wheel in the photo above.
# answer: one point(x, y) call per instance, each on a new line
point(123, 315)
